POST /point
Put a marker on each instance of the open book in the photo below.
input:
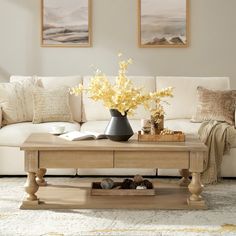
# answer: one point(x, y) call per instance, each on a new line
point(77, 135)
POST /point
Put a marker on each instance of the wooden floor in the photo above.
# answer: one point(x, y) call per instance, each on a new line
point(77, 196)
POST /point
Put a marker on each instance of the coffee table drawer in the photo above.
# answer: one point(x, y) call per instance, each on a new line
point(76, 159)
point(147, 159)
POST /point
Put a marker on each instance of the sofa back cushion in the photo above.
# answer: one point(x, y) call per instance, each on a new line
point(55, 82)
point(96, 111)
point(183, 104)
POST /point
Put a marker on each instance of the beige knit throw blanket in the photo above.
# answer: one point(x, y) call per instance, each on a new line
point(217, 136)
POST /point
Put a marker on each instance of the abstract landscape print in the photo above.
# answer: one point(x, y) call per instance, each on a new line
point(163, 23)
point(66, 23)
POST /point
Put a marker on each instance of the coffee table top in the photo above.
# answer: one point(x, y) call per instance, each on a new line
point(44, 141)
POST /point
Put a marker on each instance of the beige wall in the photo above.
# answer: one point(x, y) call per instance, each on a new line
point(212, 51)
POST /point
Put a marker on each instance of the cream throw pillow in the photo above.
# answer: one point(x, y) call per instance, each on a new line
point(16, 102)
point(51, 105)
point(215, 105)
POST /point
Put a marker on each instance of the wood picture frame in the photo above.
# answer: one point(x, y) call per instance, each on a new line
point(159, 27)
point(66, 23)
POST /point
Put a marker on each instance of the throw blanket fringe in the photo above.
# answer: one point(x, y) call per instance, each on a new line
point(216, 136)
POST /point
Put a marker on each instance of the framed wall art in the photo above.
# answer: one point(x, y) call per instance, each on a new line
point(66, 23)
point(163, 23)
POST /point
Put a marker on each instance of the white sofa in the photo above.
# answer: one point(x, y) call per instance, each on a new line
point(90, 115)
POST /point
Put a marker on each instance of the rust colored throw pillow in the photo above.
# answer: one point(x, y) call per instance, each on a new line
point(51, 105)
point(215, 105)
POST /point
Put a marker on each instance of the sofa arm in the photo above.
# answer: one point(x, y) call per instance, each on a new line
point(235, 118)
point(0, 117)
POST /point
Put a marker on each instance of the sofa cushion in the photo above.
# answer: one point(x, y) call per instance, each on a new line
point(100, 125)
point(51, 105)
point(183, 104)
point(14, 135)
point(179, 124)
point(22, 79)
point(57, 82)
point(184, 125)
point(96, 111)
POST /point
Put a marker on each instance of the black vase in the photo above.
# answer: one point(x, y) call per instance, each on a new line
point(119, 128)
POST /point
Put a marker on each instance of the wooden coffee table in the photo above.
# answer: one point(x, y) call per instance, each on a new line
point(43, 151)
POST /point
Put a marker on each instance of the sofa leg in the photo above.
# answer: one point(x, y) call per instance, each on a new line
point(185, 181)
point(40, 174)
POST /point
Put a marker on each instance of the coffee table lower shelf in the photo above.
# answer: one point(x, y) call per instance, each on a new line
point(168, 196)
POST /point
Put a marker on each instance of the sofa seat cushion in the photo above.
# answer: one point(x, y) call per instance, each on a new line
point(184, 125)
point(100, 126)
point(179, 124)
point(14, 135)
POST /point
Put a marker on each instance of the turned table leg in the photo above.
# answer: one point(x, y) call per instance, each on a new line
point(195, 188)
point(185, 181)
point(196, 167)
point(31, 187)
point(40, 174)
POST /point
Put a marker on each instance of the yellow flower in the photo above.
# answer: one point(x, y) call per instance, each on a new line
point(130, 61)
point(123, 95)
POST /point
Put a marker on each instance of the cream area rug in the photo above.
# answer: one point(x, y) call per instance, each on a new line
point(220, 219)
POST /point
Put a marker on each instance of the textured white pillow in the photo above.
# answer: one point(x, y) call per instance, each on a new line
point(16, 102)
point(51, 105)
point(56, 82)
